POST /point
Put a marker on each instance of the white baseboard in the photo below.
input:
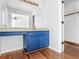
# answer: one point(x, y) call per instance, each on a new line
point(55, 50)
point(2, 52)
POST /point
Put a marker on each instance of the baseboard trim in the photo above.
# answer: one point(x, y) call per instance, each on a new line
point(7, 51)
point(34, 50)
point(58, 51)
point(72, 43)
point(19, 50)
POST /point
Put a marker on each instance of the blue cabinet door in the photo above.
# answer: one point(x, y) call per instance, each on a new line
point(25, 40)
point(35, 40)
point(32, 42)
point(44, 39)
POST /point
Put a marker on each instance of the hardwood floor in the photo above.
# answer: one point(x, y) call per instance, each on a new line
point(71, 52)
point(41, 54)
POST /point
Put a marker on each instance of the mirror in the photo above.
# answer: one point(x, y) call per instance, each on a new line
point(19, 18)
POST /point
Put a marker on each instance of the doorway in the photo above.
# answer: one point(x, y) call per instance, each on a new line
point(71, 29)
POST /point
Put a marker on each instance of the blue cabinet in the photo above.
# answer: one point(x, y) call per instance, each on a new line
point(36, 40)
point(44, 39)
point(32, 40)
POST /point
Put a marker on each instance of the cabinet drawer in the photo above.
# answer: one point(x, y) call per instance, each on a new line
point(42, 32)
point(31, 33)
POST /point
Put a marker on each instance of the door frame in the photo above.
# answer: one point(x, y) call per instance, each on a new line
point(62, 25)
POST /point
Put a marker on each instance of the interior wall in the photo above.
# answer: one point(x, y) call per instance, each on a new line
point(72, 22)
point(52, 17)
point(0, 12)
point(0, 22)
point(70, 7)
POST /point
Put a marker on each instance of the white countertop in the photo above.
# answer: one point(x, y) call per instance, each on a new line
point(20, 29)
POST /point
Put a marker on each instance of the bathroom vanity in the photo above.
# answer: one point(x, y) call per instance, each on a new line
point(32, 39)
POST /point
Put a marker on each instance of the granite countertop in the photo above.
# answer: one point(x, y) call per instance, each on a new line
point(20, 29)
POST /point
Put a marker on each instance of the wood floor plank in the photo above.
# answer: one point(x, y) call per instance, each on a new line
point(71, 52)
point(26, 57)
point(38, 55)
point(49, 55)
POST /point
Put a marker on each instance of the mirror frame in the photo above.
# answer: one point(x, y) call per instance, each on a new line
point(14, 10)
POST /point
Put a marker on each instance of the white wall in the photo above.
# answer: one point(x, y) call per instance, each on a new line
point(49, 15)
point(70, 7)
point(72, 22)
point(0, 23)
point(0, 12)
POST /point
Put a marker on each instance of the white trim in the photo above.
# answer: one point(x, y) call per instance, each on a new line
point(56, 50)
point(2, 52)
